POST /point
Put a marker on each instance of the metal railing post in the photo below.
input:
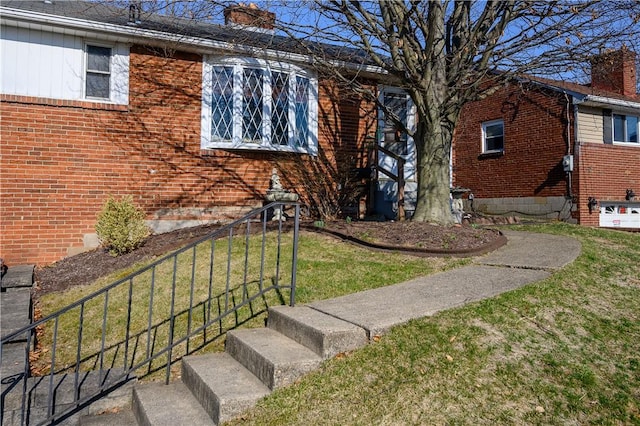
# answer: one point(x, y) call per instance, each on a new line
point(294, 260)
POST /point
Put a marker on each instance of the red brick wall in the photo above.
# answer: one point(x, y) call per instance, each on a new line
point(535, 140)
point(62, 159)
point(606, 172)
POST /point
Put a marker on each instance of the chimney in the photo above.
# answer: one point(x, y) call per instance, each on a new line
point(249, 16)
point(615, 71)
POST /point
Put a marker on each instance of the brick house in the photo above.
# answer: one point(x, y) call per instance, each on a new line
point(187, 117)
point(190, 118)
point(554, 149)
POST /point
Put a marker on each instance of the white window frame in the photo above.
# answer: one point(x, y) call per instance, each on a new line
point(484, 136)
point(613, 132)
point(87, 71)
point(238, 65)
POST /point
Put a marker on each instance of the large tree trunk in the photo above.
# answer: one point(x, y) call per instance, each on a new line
point(433, 136)
point(432, 155)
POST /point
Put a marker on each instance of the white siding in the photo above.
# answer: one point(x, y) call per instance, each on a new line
point(590, 125)
point(120, 74)
point(51, 65)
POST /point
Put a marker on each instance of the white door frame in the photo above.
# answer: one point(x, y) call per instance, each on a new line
point(410, 155)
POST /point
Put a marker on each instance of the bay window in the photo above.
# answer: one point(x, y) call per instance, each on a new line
point(254, 104)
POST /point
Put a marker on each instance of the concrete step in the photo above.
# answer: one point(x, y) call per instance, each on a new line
point(20, 276)
point(324, 334)
point(124, 417)
point(15, 305)
point(13, 362)
point(222, 385)
point(157, 404)
point(66, 391)
point(274, 358)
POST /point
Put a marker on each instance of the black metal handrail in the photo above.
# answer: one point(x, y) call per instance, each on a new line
point(186, 300)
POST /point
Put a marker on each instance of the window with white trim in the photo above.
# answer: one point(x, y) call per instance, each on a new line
point(98, 72)
point(493, 136)
point(253, 104)
point(625, 128)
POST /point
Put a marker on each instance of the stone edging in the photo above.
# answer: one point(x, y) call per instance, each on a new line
point(414, 251)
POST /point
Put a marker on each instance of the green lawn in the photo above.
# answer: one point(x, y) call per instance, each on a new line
point(562, 351)
point(326, 268)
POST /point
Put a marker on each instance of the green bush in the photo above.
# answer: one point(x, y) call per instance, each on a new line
point(121, 226)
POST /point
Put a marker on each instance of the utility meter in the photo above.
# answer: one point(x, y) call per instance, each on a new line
point(567, 163)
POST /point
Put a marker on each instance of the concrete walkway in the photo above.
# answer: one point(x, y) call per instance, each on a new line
point(297, 339)
point(526, 258)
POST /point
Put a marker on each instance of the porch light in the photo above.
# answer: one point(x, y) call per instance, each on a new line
point(592, 203)
point(630, 194)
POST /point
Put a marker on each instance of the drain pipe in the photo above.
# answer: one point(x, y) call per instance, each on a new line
point(569, 167)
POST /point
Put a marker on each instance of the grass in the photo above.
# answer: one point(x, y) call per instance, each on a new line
point(326, 268)
point(562, 351)
point(565, 350)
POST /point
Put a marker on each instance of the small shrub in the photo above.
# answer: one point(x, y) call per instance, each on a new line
point(121, 226)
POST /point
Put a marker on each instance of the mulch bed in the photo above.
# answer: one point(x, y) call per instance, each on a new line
point(412, 237)
point(418, 238)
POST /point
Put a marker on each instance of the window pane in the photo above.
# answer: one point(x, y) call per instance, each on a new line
point(495, 143)
point(252, 105)
point(618, 128)
point(302, 111)
point(494, 137)
point(222, 104)
point(395, 140)
point(97, 85)
point(98, 58)
point(397, 103)
point(494, 130)
point(279, 108)
point(632, 129)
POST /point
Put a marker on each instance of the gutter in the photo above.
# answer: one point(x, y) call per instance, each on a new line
point(581, 98)
point(202, 45)
point(601, 100)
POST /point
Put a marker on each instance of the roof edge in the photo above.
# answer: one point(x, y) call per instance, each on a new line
point(201, 45)
point(584, 98)
point(602, 100)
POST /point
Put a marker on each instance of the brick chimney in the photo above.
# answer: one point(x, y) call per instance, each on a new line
point(615, 71)
point(249, 16)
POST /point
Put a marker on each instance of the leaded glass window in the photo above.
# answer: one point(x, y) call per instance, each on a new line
point(302, 111)
point(222, 104)
point(247, 104)
point(279, 108)
point(252, 105)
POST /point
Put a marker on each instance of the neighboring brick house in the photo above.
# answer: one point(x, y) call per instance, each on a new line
point(189, 120)
point(555, 149)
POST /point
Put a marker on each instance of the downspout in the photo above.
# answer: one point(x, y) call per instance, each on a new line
point(576, 150)
point(451, 165)
point(570, 172)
